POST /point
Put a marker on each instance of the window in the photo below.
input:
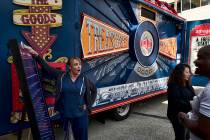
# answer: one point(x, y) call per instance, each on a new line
point(178, 6)
point(195, 3)
point(148, 14)
point(190, 4)
point(205, 2)
point(185, 5)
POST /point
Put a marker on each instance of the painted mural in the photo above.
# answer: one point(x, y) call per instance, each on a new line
point(127, 54)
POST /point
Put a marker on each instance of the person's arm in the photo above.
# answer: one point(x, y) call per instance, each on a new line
point(43, 63)
point(200, 127)
point(50, 70)
point(93, 92)
point(90, 94)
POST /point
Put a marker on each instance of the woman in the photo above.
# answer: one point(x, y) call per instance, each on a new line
point(77, 94)
point(180, 92)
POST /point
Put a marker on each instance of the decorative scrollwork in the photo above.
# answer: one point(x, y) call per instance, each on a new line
point(10, 59)
point(48, 55)
point(62, 60)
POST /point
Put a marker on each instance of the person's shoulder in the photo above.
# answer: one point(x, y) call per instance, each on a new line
point(204, 98)
point(206, 92)
point(207, 86)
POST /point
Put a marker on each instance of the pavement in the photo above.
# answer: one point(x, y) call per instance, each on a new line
point(148, 121)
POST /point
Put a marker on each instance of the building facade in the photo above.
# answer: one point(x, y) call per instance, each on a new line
point(191, 9)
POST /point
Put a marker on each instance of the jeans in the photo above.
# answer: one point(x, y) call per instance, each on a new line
point(78, 126)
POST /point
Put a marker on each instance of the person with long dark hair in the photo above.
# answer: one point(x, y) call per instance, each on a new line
point(180, 92)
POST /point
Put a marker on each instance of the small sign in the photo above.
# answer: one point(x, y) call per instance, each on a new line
point(55, 4)
point(168, 47)
point(30, 19)
point(99, 38)
point(199, 37)
point(40, 18)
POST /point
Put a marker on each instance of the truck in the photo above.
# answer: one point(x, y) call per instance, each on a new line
point(128, 49)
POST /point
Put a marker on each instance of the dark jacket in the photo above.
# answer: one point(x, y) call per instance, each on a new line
point(89, 96)
point(179, 99)
point(90, 92)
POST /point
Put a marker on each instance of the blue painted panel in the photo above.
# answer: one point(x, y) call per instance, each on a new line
point(119, 67)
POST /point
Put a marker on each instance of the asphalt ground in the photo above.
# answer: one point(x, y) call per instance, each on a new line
point(148, 121)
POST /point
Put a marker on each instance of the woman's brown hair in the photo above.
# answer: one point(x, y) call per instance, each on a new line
point(177, 75)
point(71, 59)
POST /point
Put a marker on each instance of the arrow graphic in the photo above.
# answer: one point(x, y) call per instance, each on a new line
point(40, 39)
point(40, 18)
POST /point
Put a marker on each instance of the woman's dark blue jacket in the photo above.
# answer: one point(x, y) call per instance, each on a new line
point(90, 92)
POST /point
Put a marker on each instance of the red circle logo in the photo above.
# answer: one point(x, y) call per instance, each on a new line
point(146, 43)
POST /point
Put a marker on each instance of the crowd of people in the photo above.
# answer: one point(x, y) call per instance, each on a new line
point(189, 113)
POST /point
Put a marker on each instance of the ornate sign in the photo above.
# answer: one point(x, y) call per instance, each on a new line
point(168, 47)
point(40, 18)
point(55, 4)
point(99, 38)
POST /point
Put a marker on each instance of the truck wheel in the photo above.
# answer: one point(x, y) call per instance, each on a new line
point(121, 112)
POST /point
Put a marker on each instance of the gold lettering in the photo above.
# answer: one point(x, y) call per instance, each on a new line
point(89, 23)
point(168, 47)
point(96, 39)
point(99, 39)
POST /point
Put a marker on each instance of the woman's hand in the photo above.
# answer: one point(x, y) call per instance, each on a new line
point(29, 49)
point(182, 117)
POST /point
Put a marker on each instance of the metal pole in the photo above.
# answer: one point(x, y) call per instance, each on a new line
point(190, 4)
point(175, 5)
point(181, 5)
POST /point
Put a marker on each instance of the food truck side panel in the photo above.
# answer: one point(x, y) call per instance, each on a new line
point(122, 76)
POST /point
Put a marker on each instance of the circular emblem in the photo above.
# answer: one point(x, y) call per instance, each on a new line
point(145, 71)
point(146, 43)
